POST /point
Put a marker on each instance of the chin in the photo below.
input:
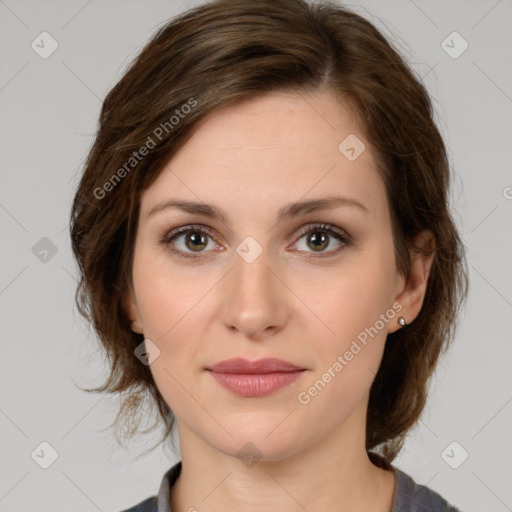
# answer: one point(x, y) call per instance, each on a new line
point(259, 443)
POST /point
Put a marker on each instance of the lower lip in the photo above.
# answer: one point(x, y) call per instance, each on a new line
point(257, 384)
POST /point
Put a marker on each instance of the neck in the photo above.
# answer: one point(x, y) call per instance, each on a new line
point(333, 474)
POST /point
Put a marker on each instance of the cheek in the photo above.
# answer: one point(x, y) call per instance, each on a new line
point(172, 307)
point(350, 298)
point(354, 305)
point(348, 358)
point(170, 321)
point(166, 293)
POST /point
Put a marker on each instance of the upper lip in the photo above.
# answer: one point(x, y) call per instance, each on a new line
point(240, 365)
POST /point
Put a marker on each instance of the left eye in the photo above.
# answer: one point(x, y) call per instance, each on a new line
point(321, 235)
point(196, 239)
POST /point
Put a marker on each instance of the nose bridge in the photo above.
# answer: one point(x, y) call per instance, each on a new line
point(254, 299)
point(252, 268)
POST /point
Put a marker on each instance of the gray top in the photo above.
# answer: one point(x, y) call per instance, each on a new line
point(409, 496)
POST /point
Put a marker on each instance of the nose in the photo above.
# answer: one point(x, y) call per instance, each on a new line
point(256, 299)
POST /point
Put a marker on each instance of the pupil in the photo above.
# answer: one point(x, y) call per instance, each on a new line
point(197, 237)
point(319, 242)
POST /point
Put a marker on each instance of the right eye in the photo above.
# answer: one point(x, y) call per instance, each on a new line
point(193, 237)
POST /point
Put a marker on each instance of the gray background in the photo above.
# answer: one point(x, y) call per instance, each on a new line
point(49, 109)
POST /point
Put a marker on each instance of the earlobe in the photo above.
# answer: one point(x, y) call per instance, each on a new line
point(136, 327)
point(130, 307)
point(415, 287)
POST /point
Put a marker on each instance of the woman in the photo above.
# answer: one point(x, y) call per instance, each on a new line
point(266, 248)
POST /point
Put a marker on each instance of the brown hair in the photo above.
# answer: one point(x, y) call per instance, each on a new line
point(226, 51)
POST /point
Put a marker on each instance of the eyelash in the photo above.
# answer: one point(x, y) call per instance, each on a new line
point(344, 238)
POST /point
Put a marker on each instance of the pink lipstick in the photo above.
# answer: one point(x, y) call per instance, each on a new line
point(254, 378)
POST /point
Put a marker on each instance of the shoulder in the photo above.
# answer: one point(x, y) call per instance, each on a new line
point(413, 497)
point(148, 505)
point(164, 493)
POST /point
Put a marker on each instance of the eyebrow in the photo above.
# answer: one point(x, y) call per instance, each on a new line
point(290, 210)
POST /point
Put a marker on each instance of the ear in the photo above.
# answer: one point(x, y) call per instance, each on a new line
point(131, 308)
point(411, 291)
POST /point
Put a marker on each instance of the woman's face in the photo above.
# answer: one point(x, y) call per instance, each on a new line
point(256, 285)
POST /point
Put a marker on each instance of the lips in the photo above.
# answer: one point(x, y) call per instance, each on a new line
point(255, 378)
point(240, 365)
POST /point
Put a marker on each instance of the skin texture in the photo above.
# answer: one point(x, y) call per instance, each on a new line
point(251, 159)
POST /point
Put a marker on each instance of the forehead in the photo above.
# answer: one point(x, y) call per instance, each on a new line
point(270, 150)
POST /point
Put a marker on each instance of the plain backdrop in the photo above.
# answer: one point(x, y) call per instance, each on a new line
point(49, 109)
